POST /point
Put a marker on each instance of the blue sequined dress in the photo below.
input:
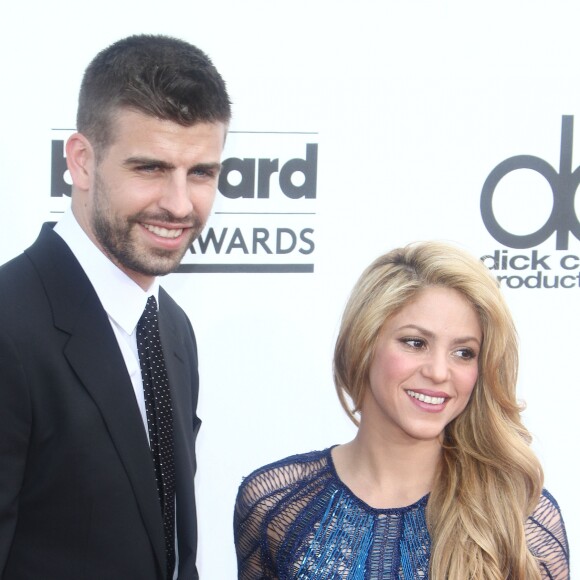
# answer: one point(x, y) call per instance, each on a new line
point(296, 520)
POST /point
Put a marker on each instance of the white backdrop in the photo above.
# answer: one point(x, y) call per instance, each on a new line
point(411, 105)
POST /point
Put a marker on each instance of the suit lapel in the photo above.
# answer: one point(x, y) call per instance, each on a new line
point(179, 352)
point(175, 358)
point(94, 354)
point(180, 385)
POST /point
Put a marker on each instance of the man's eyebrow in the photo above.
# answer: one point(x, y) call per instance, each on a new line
point(137, 161)
point(134, 161)
point(211, 167)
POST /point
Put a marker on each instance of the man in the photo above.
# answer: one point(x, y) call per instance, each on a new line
point(97, 453)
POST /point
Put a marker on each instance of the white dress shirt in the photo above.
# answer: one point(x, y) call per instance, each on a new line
point(122, 298)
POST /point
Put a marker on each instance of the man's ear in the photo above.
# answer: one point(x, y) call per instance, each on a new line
point(80, 158)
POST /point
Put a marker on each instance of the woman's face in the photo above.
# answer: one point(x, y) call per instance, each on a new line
point(424, 368)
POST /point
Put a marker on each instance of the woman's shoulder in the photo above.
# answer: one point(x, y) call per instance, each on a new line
point(546, 537)
point(283, 474)
point(547, 512)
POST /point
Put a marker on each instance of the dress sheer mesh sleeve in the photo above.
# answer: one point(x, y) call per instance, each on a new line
point(264, 512)
point(256, 496)
point(547, 540)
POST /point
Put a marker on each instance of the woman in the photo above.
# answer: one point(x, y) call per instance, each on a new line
point(440, 481)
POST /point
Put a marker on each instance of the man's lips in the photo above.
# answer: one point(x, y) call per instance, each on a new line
point(163, 232)
point(429, 399)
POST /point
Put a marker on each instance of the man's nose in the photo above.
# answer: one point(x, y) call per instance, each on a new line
point(176, 197)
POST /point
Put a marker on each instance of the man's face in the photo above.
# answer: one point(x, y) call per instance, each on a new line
point(151, 193)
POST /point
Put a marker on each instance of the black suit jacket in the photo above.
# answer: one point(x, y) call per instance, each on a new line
point(77, 488)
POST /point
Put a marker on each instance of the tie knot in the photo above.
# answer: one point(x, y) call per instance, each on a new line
point(148, 320)
point(151, 305)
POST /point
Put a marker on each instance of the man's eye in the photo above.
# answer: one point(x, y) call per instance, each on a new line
point(201, 172)
point(148, 168)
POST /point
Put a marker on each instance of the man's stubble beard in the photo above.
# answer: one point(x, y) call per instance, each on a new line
point(115, 238)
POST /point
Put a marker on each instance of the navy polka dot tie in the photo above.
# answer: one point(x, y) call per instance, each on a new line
point(159, 420)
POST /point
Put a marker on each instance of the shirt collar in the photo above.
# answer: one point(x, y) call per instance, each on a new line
point(122, 298)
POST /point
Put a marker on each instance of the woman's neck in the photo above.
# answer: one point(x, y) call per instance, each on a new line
point(386, 473)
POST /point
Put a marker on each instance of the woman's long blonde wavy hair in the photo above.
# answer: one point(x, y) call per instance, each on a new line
point(489, 480)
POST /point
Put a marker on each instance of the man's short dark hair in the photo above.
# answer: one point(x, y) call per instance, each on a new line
point(159, 76)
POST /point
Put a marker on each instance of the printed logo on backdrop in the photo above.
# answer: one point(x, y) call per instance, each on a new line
point(264, 216)
point(543, 212)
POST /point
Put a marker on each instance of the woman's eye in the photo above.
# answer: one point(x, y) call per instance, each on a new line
point(414, 342)
point(466, 353)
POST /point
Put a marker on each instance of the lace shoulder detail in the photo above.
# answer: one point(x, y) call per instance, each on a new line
point(262, 509)
point(547, 540)
point(280, 477)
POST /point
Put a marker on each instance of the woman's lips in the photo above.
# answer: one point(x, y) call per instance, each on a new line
point(427, 399)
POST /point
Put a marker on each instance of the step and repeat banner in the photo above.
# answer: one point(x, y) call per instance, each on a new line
point(358, 127)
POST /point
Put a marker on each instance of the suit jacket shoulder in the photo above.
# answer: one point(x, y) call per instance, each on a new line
point(79, 484)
